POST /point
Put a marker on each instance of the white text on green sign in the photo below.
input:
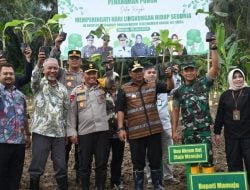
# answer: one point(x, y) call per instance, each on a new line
point(194, 153)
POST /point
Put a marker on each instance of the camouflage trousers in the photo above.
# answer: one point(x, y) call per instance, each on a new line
point(192, 135)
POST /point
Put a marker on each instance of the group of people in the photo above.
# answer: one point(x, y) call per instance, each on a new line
point(96, 115)
point(139, 49)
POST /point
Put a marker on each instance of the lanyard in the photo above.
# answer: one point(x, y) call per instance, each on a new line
point(236, 100)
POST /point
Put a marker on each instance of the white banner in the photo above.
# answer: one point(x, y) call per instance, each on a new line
point(134, 17)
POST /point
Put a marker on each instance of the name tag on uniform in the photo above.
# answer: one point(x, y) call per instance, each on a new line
point(159, 102)
point(80, 97)
point(69, 78)
point(236, 115)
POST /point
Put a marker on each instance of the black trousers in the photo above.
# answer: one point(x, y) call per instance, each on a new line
point(150, 145)
point(68, 148)
point(41, 147)
point(238, 150)
point(97, 145)
point(117, 148)
point(11, 165)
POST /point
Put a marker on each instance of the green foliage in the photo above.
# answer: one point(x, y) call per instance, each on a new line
point(25, 29)
point(212, 19)
point(46, 29)
point(3, 28)
point(167, 43)
point(101, 30)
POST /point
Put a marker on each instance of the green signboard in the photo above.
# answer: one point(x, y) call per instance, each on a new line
point(220, 181)
point(191, 153)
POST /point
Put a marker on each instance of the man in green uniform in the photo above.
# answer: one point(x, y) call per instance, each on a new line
point(192, 99)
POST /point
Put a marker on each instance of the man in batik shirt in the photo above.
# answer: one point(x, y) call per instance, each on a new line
point(48, 123)
point(14, 132)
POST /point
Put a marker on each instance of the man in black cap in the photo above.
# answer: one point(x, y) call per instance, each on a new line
point(72, 76)
point(122, 50)
point(137, 100)
point(155, 36)
point(105, 50)
point(88, 113)
point(89, 49)
point(139, 48)
point(155, 41)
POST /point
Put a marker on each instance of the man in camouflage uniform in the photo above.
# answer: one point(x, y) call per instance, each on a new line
point(89, 49)
point(105, 50)
point(155, 36)
point(192, 99)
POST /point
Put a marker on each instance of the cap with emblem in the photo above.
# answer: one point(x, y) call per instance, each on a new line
point(106, 37)
point(188, 65)
point(89, 66)
point(74, 53)
point(155, 36)
point(135, 66)
point(122, 36)
point(90, 37)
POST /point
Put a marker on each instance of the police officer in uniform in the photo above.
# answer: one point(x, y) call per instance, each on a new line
point(139, 49)
point(88, 112)
point(89, 49)
point(122, 50)
point(71, 78)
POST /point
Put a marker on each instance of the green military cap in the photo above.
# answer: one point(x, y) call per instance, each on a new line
point(187, 65)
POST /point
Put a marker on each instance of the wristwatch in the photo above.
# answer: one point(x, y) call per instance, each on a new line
point(120, 129)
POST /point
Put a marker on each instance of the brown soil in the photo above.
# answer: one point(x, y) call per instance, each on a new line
point(48, 182)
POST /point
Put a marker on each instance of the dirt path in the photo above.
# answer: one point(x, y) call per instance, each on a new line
point(48, 182)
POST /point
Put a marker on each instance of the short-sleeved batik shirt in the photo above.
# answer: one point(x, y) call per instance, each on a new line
point(192, 100)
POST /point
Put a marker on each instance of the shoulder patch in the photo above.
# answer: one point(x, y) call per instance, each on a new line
point(72, 97)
